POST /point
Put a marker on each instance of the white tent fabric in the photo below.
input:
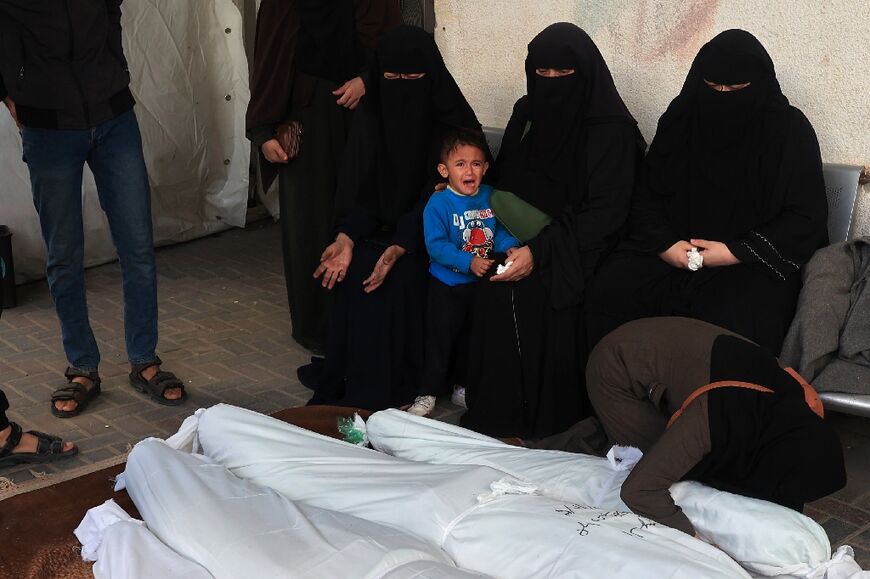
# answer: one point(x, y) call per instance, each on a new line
point(765, 538)
point(190, 79)
point(485, 521)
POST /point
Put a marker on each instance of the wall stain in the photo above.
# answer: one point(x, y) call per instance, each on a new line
point(688, 34)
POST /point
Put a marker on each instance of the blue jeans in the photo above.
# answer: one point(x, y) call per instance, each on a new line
point(113, 151)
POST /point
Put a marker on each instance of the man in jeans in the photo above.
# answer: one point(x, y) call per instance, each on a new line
point(64, 79)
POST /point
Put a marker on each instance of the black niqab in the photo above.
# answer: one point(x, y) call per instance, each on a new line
point(410, 116)
point(721, 162)
point(544, 170)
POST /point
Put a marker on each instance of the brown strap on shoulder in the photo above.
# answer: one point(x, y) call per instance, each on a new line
point(712, 386)
point(810, 395)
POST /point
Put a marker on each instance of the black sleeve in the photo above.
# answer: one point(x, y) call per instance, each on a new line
point(611, 160)
point(272, 71)
point(409, 227)
point(356, 173)
point(788, 240)
point(649, 227)
point(646, 491)
point(113, 8)
point(3, 93)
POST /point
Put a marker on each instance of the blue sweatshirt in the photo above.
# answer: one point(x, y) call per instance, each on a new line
point(459, 227)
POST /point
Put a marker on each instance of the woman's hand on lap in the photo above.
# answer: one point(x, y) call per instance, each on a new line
point(382, 268)
point(479, 265)
point(350, 93)
point(522, 266)
point(677, 255)
point(273, 151)
point(716, 253)
point(335, 260)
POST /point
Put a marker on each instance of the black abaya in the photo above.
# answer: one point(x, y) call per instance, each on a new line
point(305, 49)
point(740, 167)
point(571, 150)
point(374, 355)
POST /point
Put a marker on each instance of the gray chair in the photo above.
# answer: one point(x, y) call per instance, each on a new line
point(493, 138)
point(841, 186)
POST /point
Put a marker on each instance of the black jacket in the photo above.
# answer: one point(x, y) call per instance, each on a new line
point(62, 63)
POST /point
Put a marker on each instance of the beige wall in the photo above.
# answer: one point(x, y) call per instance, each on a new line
point(820, 48)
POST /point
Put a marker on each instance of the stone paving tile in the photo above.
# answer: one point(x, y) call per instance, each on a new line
point(225, 331)
point(838, 530)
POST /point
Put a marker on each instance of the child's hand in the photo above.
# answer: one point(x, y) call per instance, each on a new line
point(479, 265)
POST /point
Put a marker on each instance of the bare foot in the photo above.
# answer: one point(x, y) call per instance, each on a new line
point(170, 393)
point(70, 405)
point(28, 442)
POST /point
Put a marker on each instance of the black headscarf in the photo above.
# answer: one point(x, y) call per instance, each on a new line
point(295, 34)
point(742, 167)
point(769, 446)
point(544, 170)
point(328, 45)
point(393, 161)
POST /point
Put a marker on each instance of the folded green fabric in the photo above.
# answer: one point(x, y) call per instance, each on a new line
point(522, 219)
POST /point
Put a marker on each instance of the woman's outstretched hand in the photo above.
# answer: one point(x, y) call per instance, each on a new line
point(350, 93)
point(716, 253)
point(334, 261)
point(522, 266)
point(677, 255)
point(382, 268)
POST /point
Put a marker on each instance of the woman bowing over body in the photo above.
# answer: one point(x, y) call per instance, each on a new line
point(734, 179)
point(566, 173)
point(378, 262)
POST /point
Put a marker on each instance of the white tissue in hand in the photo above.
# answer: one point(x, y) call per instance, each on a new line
point(696, 260)
point(503, 268)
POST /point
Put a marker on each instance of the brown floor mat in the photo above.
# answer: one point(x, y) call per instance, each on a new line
point(36, 539)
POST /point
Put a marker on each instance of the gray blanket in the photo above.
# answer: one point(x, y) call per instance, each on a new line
point(829, 339)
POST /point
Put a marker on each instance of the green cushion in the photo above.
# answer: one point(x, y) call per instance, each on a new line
point(522, 219)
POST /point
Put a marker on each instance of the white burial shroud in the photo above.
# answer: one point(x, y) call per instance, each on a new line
point(471, 512)
point(234, 528)
point(765, 538)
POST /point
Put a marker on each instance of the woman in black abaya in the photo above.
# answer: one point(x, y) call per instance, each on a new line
point(735, 172)
point(309, 60)
point(378, 262)
point(570, 150)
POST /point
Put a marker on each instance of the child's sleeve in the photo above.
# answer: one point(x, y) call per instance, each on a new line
point(436, 229)
point(503, 239)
